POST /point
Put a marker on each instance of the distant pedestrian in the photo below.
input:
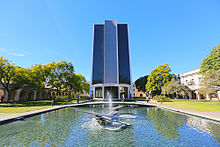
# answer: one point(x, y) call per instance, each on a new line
point(52, 102)
point(2, 98)
point(123, 97)
point(147, 98)
point(91, 99)
point(77, 100)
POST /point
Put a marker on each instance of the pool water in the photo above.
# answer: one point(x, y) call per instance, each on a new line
point(150, 127)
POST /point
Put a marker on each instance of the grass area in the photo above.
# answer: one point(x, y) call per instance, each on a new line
point(20, 109)
point(204, 106)
point(31, 108)
point(42, 102)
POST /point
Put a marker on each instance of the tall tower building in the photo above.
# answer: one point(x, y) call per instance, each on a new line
point(111, 72)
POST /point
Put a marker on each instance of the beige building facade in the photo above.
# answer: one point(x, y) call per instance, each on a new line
point(30, 95)
point(192, 80)
point(137, 93)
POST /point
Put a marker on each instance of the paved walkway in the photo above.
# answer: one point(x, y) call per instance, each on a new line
point(8, 117)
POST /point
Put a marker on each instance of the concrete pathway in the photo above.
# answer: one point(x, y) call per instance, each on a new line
point(8, 117)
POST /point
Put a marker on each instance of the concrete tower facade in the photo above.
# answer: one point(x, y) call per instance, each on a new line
point(111, 72)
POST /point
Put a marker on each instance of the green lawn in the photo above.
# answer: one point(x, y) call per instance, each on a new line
point(30, 108)
point(205, 106)
point(42, 102)
point(20, 109)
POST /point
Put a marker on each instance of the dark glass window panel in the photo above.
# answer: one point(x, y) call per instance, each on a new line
point(110, 52)
point(111, 92)
point(98, 55)
point(123, 54)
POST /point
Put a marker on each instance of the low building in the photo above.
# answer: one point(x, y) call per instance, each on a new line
point(192, 80)
point(137, 93)
point(30, 95)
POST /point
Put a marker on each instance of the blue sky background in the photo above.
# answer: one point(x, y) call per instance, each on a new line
point(178, 32)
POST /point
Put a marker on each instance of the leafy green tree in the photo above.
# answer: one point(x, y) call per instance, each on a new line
point(140, 83)
point(36, 76)
point(158, 78)
point(83, 86)
point(212, 62)
point(57, 73)
point(11, 76)
point(210, 82)
point(77, 83)
point(174, 87)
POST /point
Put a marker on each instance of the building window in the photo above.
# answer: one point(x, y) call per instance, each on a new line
point(98, 55)
point(123, 54)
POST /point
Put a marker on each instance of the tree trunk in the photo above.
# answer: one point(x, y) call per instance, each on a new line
point(35, 94)
point(18, 95)
point(26, 95)
point(8, 95)
point(58, 92)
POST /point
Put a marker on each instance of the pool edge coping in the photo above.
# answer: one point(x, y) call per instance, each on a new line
point(21, 116)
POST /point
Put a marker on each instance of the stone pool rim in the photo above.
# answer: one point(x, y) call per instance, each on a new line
point(22, 116)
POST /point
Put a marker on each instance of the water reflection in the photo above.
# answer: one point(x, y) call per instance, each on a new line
point(166, 122)
point(176, 127)
point(151, 127)
point(99, 136)
point(204, 126)
point(52, 129)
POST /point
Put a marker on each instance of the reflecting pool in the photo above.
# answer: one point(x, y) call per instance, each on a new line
point(71, 127)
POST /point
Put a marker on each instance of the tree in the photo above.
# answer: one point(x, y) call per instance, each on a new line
point(141, 82)
point(158, 78)
point(212, 62)
point(57, 73)
point(174, 87)
point(210, 82)
point(83, 86)
point(36, 76)
point(11, 76)
point(77, 83)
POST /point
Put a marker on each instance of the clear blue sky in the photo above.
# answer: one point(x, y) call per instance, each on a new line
point(178, 32)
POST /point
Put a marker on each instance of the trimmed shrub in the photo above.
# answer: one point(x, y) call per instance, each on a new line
point(63, 98)
point(159, 97)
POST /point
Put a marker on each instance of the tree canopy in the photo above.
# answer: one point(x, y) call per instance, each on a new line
point(158, 78)
point(210, 82)
point(141, 82)
point(212, 61)
point(56, 75)
point(174, 87)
